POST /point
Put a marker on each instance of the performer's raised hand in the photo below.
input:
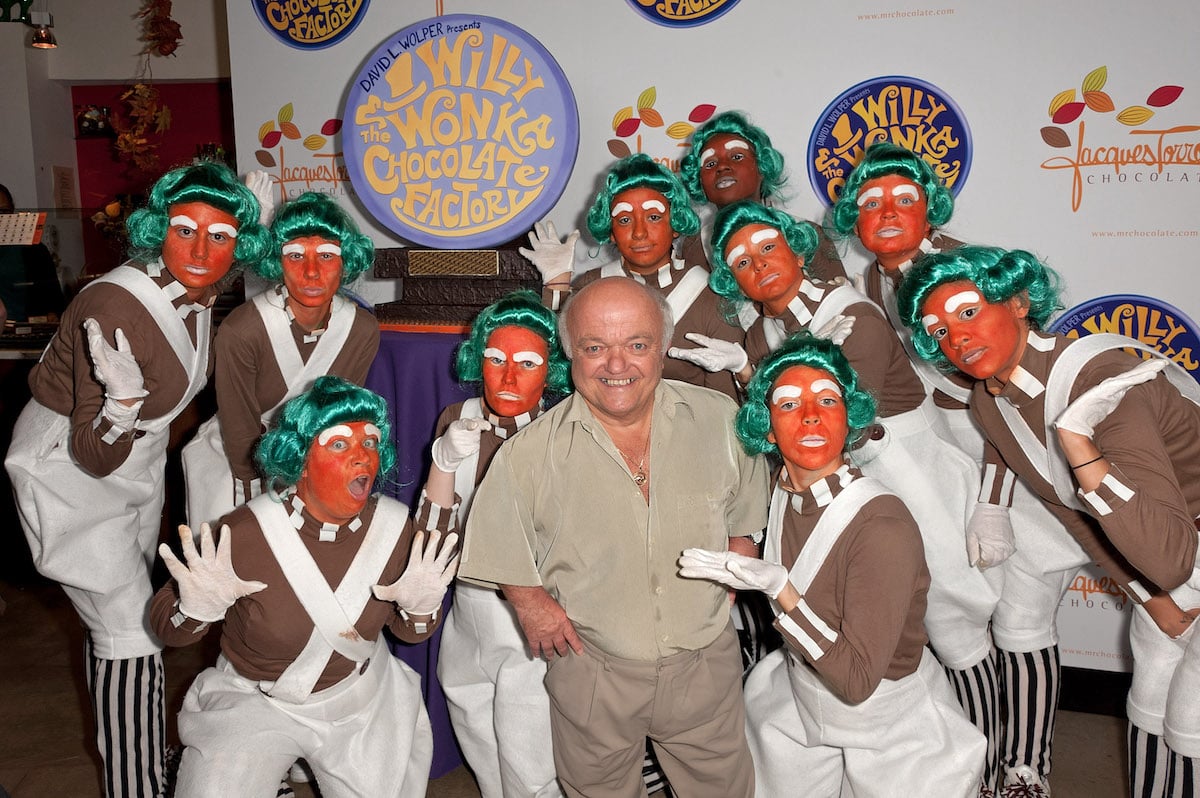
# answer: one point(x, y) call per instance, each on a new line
point(1095, 404)
point(420, 588)
point(261, 185)
point(837, 329)
point(550, 256)
point(711, 354)
point(458, 442)
point(207, 583)
point(115, 369)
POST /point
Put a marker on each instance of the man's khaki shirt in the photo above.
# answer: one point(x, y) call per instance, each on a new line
point(559, 508)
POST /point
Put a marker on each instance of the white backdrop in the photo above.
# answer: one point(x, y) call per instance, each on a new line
point(1136, 228)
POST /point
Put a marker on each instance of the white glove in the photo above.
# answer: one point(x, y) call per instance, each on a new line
point(458, 442)
point(261, 186)
point(420, 588)
point(856, 281)
point(837, 329)
point(550, 256)
point(116, 369)
point(734, 570)
point(989, 536)
point(1094, 404)
point(207, 584)
point(712, 354)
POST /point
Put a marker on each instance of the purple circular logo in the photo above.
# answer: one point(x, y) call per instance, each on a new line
point(1160, 326)
point(460, 132)
point(903, 110)
point(682, 13)
point(311, 24)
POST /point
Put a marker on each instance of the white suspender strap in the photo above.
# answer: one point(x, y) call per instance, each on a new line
point(837, 516)
point(332, 612)
point(686, 289)
point(297, 374)
point(194, 359)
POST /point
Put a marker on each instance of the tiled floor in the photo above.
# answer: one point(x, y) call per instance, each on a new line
point(45, 751)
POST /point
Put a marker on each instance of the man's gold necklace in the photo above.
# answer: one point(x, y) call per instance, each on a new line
point(639, 470)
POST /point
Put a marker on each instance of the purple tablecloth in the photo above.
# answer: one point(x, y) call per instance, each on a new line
point(414, 372)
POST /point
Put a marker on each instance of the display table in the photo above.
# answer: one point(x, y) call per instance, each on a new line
point(414, 372)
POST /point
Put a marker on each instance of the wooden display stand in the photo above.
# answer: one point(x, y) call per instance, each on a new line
point(442, 290)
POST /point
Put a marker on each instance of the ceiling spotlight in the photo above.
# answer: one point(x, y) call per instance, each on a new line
point(43, 38)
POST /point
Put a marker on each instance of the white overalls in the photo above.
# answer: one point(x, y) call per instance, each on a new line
point(494, 691)
point(367, 735)
point(908, 738)
point(97, 536)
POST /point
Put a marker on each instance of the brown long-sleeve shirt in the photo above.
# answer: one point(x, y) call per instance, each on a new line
point(1140, 523)
point(65, 382)
point(264, 632)
point(870, 593)
point(872, 348)
point(249, 380)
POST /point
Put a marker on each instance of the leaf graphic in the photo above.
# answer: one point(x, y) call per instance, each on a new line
point(264, 158)
point(331, 127)
point(618, 148)
point(1061, 99)
point(1095, 80)
point(1099, 102)
point(1068, 113)
point(266, 128)
point(1055, 136)
point(646, 99)
point(621, 116)
point(680, 130)
point(271, 139)
point(651, 117)
point(1135, 115)
point(290, 130)
point(701, 113)
point(1164, 95)
point(314, 142)
point(628, 127)
point(285, 114)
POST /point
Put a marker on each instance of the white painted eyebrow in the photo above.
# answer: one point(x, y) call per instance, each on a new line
point(824, 384)
point(293, 249)
point(736, 144)
point(906, 188)
point(763, 235)
point(961, 298)
point(371, 429)
point(734, 254)
point(929, 322)
point(785, 392)
point(708, 153)
point(493, 352)
point(621, 207)
point(222, 227)
point(532, 357)
point(184, 221)
point(654, 205)
point(332, 249)
point(873, 191)
point(336, 431)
